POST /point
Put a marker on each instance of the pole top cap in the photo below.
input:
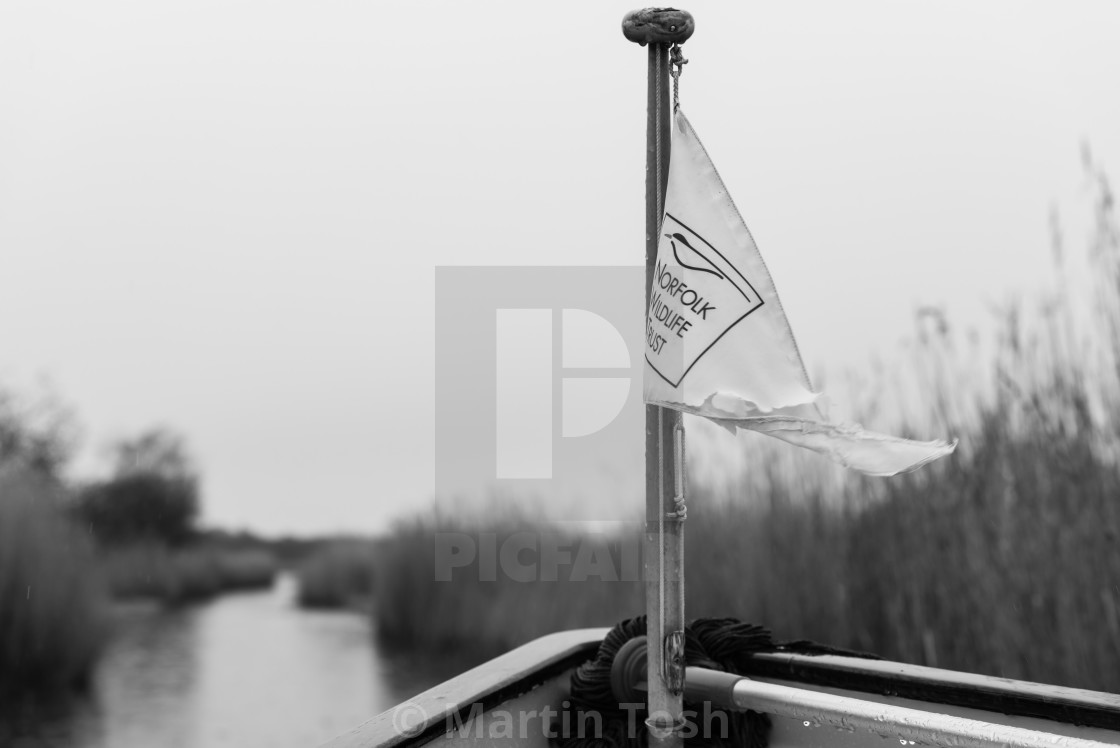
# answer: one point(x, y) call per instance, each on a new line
point(658, 26)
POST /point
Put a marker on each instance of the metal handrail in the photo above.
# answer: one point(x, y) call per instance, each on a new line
point(909, 726)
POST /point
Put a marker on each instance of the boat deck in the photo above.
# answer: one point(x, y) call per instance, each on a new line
point(512, 699)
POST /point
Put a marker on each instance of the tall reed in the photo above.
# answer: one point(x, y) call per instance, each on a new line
point(486, 606)
point(339, 574)
point(52, 614)
point(173, 576)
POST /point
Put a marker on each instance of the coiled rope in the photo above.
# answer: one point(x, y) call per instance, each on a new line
point(593, 718)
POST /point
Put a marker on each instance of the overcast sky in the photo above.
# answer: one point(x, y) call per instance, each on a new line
point(225, 216)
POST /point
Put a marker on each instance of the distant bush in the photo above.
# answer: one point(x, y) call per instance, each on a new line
point(52, 624)
point(135, 508)
point(37, 432)
point(247, 569)
point(339, 574)
point(151, 497)
point(288, 551)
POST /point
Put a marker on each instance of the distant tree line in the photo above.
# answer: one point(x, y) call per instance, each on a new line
point(152, 494)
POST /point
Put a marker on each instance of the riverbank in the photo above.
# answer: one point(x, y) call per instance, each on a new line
point(174, 576)
point(57, 586)
point(243, 669)
point(53, 618)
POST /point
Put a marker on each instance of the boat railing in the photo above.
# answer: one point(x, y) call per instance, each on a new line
point(908, 726)
point(853, 695)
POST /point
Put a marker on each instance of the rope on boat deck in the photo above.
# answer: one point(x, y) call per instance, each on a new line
point(594, 718)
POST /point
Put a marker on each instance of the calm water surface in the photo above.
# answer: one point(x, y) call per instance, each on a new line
point(245, 670)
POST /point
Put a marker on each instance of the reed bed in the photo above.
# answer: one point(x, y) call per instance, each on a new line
point(52, 607)
point(174, 576)
point(481, 611)
point(1003, 561)
point(337, 575)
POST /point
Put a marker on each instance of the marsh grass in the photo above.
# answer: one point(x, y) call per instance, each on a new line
point(1002, 563)
point(52, 607)
point(1002, 559)
point(480, 611)
point(337, 575)
point(175, 576)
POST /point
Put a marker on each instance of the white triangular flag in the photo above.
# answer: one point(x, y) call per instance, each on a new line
point(718, 344)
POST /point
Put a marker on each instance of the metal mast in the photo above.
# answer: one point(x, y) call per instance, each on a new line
point(663, 544)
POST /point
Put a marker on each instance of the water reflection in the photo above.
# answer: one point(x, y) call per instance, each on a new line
point(245, 670)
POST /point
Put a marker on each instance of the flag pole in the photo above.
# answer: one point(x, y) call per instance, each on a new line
point(663, 542)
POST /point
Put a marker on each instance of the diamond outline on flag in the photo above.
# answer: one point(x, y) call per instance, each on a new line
point(722, 267)
point(761, 384)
